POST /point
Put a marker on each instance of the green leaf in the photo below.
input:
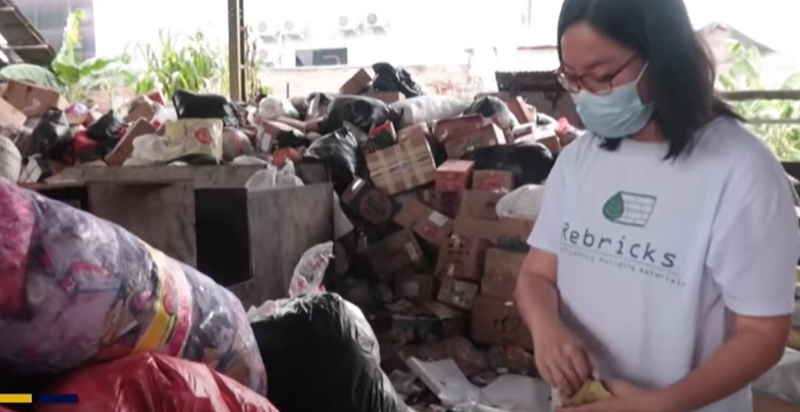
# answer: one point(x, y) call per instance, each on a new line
point(614, 207)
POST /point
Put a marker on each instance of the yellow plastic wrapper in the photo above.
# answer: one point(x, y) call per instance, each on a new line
point(193, 137)
point(591, 391)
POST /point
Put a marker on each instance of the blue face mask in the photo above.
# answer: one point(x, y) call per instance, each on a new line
point(616, 115)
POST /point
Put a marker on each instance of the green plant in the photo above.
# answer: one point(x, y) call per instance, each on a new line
point(77, 76)
point(783, 139)
point(189, 63)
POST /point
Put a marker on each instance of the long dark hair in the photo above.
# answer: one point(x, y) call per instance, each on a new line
point(680, 70)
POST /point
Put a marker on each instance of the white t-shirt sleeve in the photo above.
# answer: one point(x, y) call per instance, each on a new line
point(546, 234)
point(755, 241)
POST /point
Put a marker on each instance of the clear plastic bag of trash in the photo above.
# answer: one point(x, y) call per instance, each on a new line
point(10, 160)
point(272, 107)
point(426, 109)
point(310, 270)
point(525, 201)
point(77, 290)
point(273, 177)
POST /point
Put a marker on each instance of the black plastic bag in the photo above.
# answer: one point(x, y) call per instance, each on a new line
point(294, 139)
point(323, 346)
point(363, 112)
point(52, 137)
point(205, 106)
point(490, 106)
point(106, 131)
point(529, 162)
point(318, 104)
point(339, 150)
point(389, 79)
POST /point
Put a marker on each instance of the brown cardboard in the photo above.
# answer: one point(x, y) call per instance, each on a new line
point(10, 116)
point(357, 84)
point(387, 97)
point(124, 147)
point(520, 109)
point(486, 136)
point(419, 130)
point(507, 229)
point(497, 322)
point(479, 205)
point(368, 202)
point(500, 273)
point(396, 254)
point(457, 127)
point(33, 100)
point(405, 166)
point(415, 287)
point(462, 257)
point(493, 181)
point(457, 293)
point(453, 176)
point(427, 223)
point(142, 109)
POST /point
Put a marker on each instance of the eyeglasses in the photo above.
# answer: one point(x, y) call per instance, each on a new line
point(597, 85)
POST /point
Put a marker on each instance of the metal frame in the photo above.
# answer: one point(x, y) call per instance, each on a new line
point(236, 49)
point(764, 95)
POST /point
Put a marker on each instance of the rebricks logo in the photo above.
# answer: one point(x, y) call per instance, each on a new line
point(621, 247)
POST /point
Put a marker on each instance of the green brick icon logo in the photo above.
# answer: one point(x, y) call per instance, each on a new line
point(630, 209)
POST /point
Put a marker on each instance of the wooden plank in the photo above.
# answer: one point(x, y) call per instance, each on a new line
point(161, 215)
point(284, 223)
point(761, 95)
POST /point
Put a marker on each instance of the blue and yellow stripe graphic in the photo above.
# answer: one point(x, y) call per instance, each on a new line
point(27, 398)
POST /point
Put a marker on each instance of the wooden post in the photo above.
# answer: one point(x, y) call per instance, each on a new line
point(236, 49)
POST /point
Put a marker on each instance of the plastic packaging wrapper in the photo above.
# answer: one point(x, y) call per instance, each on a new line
point(492, 107)
point(272, 107)
point(155, 383)
point(205, 106)
point(364, 112)
point(525, 201)
point(52, 136)
point(85, 149)
point(339, 150)
point(529, 162)
point(324, 343)
point(188, 137)
point(235, 143)
point(273, 178)
point(310, 270)
point(10, 160)
point(77, 290)
point(390, 79)
point(426, 109)
point(106, 131)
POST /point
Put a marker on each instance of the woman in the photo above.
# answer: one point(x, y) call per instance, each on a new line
point(663, 260)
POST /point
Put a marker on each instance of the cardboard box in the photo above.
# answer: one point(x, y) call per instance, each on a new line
point(453, 176)
point(497, 322)
point(369, 203)
point(397, 254)
point(479, 205)
point(387, 97)
point(415, 287)
point(124, 147)
point(493, 181)
point(427, 223)
point(33, 100)
point(358, 83)
point(500, 273)
point(419, 130)
point(380, 137)
point(457, 127)
point(462, 257)
point(405, 166)
point(521, 111)
point(10, 116)
point(489, 135)
point(141, 109)
point(508, 231)
point(458, 293)
point(407, 322)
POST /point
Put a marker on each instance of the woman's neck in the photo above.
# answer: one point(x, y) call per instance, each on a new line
point(649, 134)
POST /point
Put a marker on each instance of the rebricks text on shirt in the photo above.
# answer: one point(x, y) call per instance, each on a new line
point(644, 252)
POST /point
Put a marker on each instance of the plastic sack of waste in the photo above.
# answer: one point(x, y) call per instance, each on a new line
point(77, 290)
point(272, 107)
point(492, 107)
point(362, 111)
point(310, 270)
point(429, 108)
point(235, 143)
point(106, 131)
point(525, 201)
point(205, 106)
point(529, 162)
point(10, 160)
point(272, 178)
point(390, 79)
point(339, 150)
point(185, 137)
point(318, 104)
point(782, 381)
point(52, 137)
point(151, 382)
point(323, 342)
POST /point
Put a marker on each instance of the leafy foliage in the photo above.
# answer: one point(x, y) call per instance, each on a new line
point(783, 139)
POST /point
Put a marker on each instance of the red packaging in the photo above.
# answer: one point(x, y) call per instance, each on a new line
point(453, 176)
point(493, 180)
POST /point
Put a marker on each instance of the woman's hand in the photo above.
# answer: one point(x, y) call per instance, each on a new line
point(625, 398)
point(561, 359)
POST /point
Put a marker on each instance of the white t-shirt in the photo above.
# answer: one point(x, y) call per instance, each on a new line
point(653, 253)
